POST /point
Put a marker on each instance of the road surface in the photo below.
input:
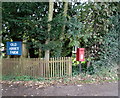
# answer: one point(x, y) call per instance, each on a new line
point(103, 89)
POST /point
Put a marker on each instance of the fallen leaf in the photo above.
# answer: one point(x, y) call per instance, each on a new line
point(79, 85)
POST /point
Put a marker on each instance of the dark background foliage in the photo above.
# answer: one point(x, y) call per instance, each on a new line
point(93, 26)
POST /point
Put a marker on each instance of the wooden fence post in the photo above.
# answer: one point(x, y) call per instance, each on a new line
point(70, 66)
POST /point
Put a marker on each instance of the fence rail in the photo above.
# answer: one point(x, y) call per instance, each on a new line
point(37, 67)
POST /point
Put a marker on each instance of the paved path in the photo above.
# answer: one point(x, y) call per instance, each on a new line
point(105, 89)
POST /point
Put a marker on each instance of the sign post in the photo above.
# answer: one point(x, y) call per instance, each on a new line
point(80, 56)
point(14, 48)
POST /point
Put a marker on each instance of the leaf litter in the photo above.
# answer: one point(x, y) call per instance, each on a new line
point(77, 80)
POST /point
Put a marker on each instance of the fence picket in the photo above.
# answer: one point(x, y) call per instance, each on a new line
point(43, 67)
point(53, 67)
point(70, 66)
point(60, 67)
point(63, 65)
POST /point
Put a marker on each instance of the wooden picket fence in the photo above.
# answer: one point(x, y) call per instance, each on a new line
point(37, 67)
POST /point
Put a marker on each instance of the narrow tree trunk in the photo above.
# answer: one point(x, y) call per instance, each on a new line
point(24, 50)
point(65, 15)
point(62, 36)
point(40, 51)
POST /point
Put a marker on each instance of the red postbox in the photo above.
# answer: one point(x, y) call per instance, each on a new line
point(80, 54)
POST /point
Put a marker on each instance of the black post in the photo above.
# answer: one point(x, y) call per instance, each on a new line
point(80, 68)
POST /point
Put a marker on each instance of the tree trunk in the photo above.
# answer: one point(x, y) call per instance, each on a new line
point(62, 36)
point(40, 51)
point(50, 16)
point(47, 52)
point(24, 50)
point(65, 15)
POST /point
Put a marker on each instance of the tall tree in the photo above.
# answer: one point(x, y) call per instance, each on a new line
point(47, 52)
point(50, 16)
point(13, 23)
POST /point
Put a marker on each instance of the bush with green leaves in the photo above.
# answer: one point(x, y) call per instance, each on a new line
point(109, 49)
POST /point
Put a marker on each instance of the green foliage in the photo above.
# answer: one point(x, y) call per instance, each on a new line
point(22, 78)
point(18, 78)
point(86, 26)
point(75, 63)
point(93, 26)
point(109, 49)
point(99, 34)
